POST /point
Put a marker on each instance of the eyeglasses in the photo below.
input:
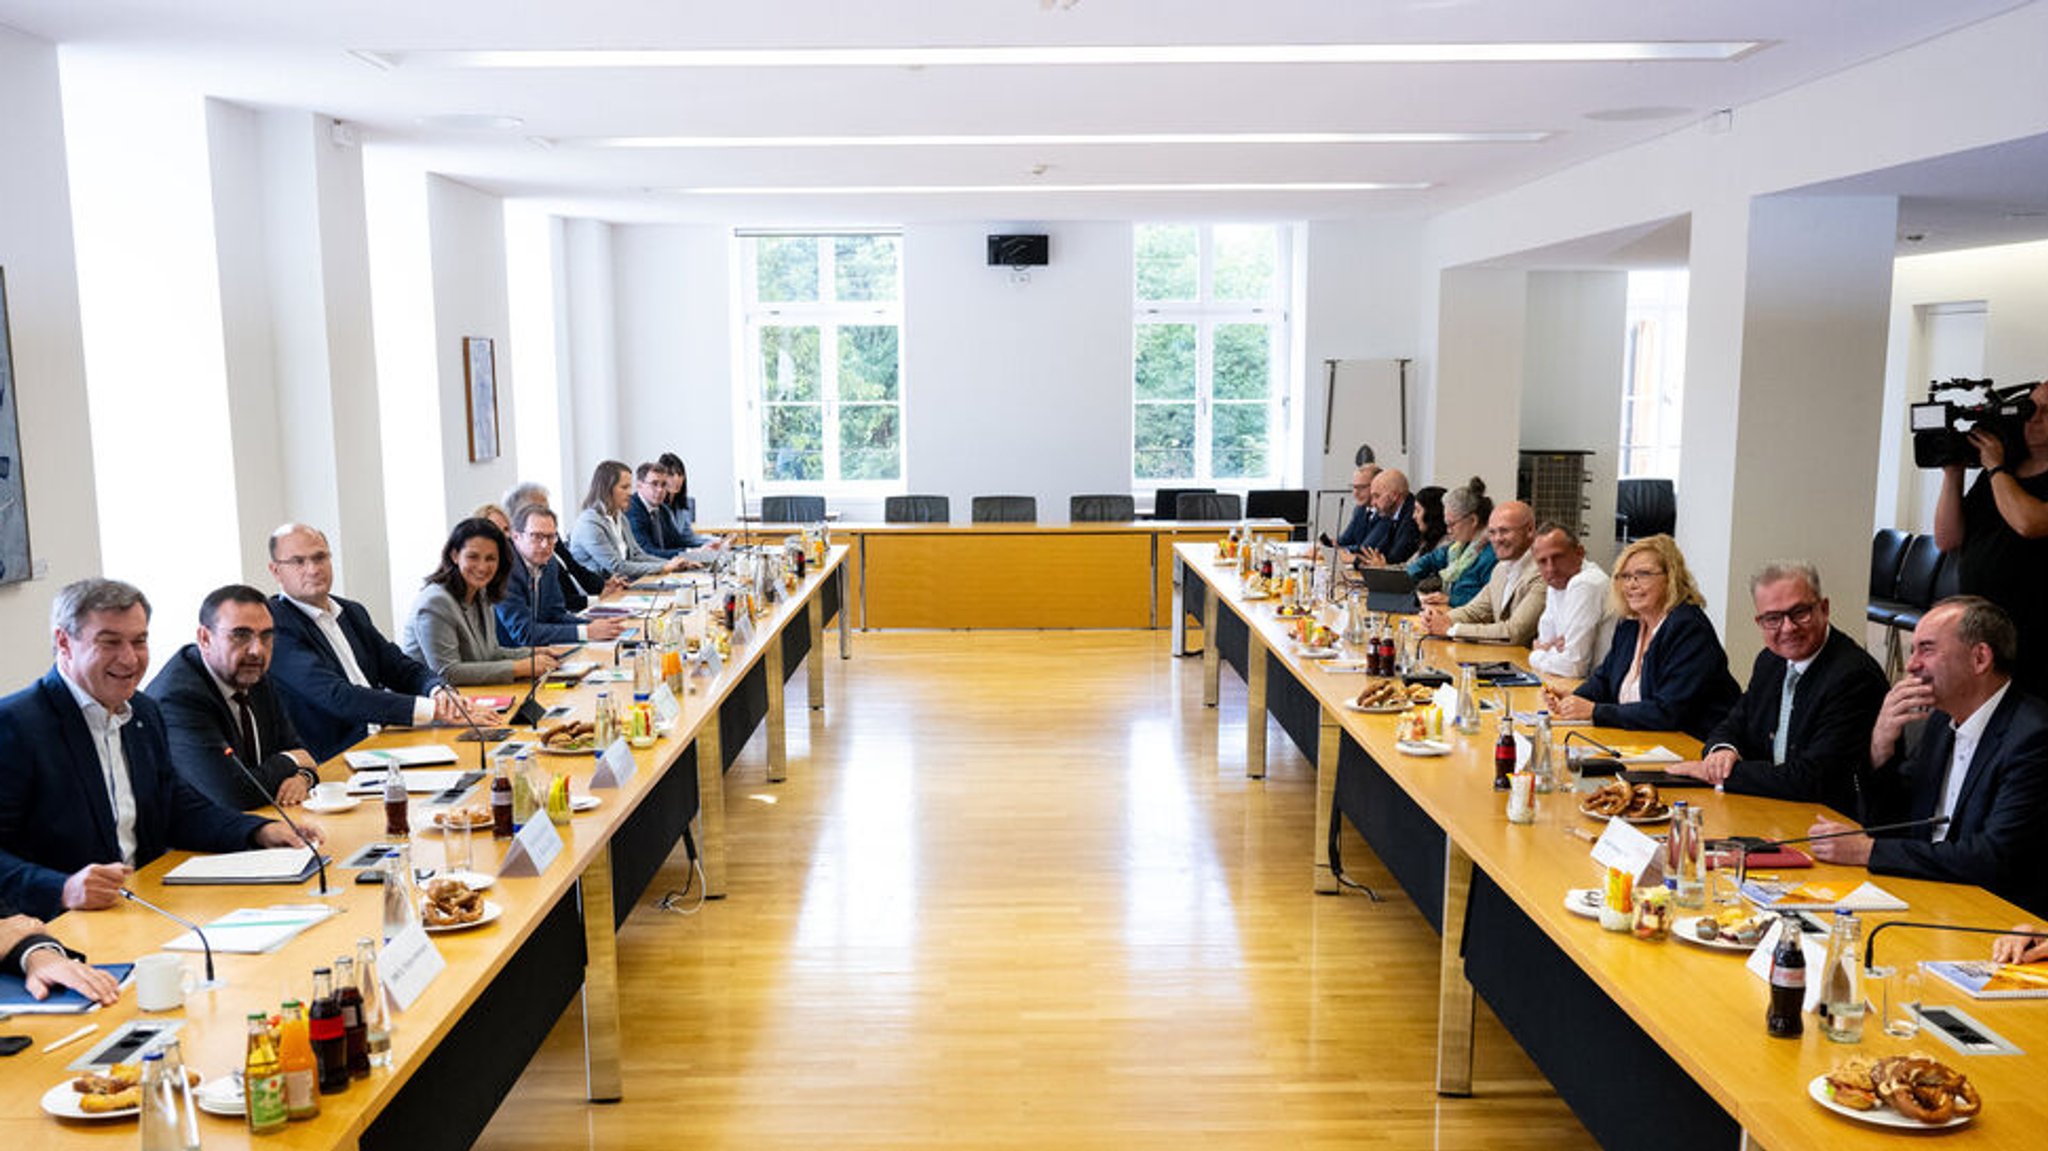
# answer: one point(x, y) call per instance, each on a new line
point(1798, 615)
point(315, 559)
point(1636, 577)
point(542, 537)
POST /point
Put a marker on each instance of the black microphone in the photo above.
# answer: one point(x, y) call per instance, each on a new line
point(1870, 941)
point(318, 859)
point(1608, 762)
point(462, 706)
point(182, 922)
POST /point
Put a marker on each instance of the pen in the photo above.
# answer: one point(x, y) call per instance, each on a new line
point(81, 1033)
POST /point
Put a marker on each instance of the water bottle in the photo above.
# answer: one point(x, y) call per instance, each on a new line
point(401, 909)
point(1539, 755)
point(1468, 700)
point(1841, 989)
point(1689, 835)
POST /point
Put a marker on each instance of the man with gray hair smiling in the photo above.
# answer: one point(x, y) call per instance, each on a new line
point(87, 791)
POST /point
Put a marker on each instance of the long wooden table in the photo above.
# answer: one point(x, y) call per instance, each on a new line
point(1650, 1043)
point(456, 1051)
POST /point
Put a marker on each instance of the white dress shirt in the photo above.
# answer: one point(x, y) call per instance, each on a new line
point(1968, 734)
point(327, 618)
point(105, 728)
point(1581, 613)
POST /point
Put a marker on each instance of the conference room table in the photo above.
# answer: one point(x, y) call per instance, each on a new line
point(458, 1048)
point(1651, 1043)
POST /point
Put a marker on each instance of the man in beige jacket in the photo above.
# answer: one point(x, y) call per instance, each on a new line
point(1510, 606)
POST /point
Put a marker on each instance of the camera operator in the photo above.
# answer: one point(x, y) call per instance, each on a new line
point(2000, 530)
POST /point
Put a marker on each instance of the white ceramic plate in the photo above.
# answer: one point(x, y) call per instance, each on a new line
point(583, 751)
point(321, 807)
point(1250, 598)
point(222, 1096)
point(474, 828)
point(476, 880)
point(62, 1102)
point(1682, 929)
point(585, 802)
point(1584, 901)
point(1376, 709)
point(1425, 747)
point(1664, 817)
point(491, 912)
point(1882, 1116)
point(1315, 652)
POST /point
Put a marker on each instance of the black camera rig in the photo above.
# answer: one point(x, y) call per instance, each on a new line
point(1941, 426)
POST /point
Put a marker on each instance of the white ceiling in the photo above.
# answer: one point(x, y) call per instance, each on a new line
point(292, 53)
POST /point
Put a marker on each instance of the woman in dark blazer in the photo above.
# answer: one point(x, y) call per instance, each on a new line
point(1666, 670)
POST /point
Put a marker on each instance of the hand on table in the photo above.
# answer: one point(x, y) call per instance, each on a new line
point(49, 970)
point(1850, 850)
point(606, 629)
point(2019, 948)
point(293, 791)
point(542, 661)
point(1713, 768)
point(615, 585)
point(1563, 706)
point(95, 886)
point(1435, 619)
point(278, 833)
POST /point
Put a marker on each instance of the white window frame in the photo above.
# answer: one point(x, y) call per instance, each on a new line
point(828, 316)
point(1207, 314)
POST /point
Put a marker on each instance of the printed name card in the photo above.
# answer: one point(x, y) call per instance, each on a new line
point(408, 963)
point(615, 766)
point(1624, 848)
point(667, 709)
point(743, 629)
point(536, 846)
point(709, 662)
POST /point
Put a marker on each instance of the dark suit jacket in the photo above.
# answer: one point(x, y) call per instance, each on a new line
point(1685, 683)
point(532, 613)
point(330, 712)
point(653, 528)
point(1827, 752)
point(1395, 537)
point(55, 814)
point(11, 962)
point(1357, 528)
point(202, 723)
point(2001, 817)
point(579, 583)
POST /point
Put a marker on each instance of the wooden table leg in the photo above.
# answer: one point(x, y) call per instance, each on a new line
point(1212, 659)
point(711, 808)
point(776, 722)
point(1254, 703)
point(1329, 744)
point(845, 618)
point(816, 660)
point(603, 1082)
point(1454, 993)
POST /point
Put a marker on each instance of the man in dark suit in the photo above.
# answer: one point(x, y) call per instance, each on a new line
point(336, 672)
point(647, 512)
point(579, 584)
point(1394, 534)
point(1981, 760)
point(46, 965)
point(87, 791)
point(217, 698)
point(532, 613)
point(1363, 518)
point(1811, 741)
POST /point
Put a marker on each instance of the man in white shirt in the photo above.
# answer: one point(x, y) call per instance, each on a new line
point(1507, 608)
point(1980, 762)
point(1578, 614)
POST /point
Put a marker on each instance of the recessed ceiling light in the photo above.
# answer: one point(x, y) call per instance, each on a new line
point(1538, 52)
point(1058, 139)
point(986, 189)
point(471, 122)
point(1645, 112)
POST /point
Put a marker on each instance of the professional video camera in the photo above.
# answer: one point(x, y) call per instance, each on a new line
point(1941, 426)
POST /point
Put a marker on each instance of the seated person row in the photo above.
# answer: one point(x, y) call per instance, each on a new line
point(337, 674)
point(1507, 609)
point(1577, 624)
point(1802, 729)
point(1957, 739)
point(1464, 561)
point(601, 539)
point(453, 628)
point(1394, 534)
point(88, 793)
point(532, 610)
point(655, 521)
point(1666, 670)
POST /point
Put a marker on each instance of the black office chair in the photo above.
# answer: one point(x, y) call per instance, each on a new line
point(1196, 507)
point(1887, 555)
point(1290, 504)
point(1165, 501)
point(1102, 509)
point(917, 510)
point(1004, 509)
point(792, 509)
point(1644, 507)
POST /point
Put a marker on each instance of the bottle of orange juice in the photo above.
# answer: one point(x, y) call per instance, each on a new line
point(295, 1054)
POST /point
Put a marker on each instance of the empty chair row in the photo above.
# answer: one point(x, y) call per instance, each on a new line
point(1190, 504)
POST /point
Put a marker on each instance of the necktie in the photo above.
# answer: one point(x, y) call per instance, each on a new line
point(248, 721)
point(1778, 739)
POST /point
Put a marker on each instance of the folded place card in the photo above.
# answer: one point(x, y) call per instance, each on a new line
point(408, 963)
point(615, 766)
point(1624, 848)
point(533, 848)
point(667, 709)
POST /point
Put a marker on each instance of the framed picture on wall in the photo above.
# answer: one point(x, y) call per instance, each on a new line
point(14, 558)
point(480, 390)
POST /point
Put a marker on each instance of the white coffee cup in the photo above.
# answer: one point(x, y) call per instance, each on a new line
point(330, 792)
point(162, 982)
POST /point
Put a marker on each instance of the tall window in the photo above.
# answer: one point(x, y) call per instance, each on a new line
point(1210, 340)
point(1653, 391)
point(823, 345)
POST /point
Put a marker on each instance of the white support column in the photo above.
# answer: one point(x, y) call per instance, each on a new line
point(1475, 410)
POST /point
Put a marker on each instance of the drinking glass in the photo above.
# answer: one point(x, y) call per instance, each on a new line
point(458, 844)
point(1901, 999)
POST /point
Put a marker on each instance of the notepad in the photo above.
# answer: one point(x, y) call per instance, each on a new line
point(15, 997)
point(417, 755)
point(255, 930)
point(1988, 979)
point(263, 865)
point(1820, 897)
point(416, 782)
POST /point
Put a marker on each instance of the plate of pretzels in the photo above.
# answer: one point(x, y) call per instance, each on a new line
point(452, 905)
point(1913, 1091)
point(1618, 799)
point(1389, 697)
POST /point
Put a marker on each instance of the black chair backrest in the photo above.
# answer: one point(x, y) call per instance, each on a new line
point(792, 509)
point(1005, 509)
point(1917, 572)
point(1102, 509)
point(1647, 507)
point(1290, 504)
point(1948, 577)
point(1887, 552)
point(1199, 506)
point(1166, 501)
point(917, 510)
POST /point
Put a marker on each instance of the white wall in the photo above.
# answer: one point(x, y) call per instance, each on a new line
point(1359, 303)
point(590, 309)
point(1472, 422)
point(1573, 350)
point(48, 401)
point(468, 229)
point(674, 341)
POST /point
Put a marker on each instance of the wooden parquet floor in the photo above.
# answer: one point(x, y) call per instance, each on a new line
point(1018, 893)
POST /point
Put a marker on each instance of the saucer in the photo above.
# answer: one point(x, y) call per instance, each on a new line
point(329, 807)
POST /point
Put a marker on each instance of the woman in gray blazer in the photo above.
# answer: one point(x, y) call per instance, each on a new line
point(452, 628)
point(601, 541)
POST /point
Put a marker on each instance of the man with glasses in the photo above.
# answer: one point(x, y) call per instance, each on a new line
point(338, 672)
point(1802, 730)
point(218, 701)
point(1363, 517)
point(533, 613)
point(1508, 609)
